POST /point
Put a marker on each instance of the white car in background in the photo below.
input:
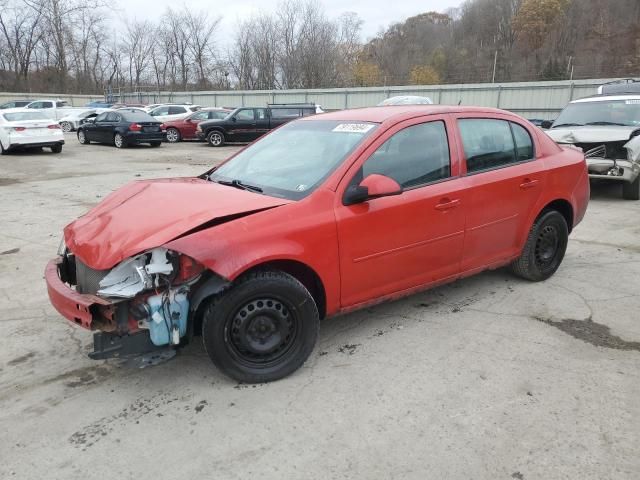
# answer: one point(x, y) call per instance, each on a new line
point(24, 129)
point(71, 122)
point(406, 100)
point(164, 113)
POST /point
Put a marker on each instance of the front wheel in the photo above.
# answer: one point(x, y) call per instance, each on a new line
point(262, 329)
point(215, 139)
point(82, 137)
point(631, 190)
point(173, 135)
point(119, 141)
point(545, 247)
point(57, 148)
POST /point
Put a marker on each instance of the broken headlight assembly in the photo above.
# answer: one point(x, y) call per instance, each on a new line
point(158, 283)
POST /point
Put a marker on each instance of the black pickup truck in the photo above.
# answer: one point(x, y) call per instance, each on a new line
point(245, 124)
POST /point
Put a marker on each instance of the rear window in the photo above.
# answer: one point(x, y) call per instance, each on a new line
point(138, 117)
point(289, 113)
point(21, 116)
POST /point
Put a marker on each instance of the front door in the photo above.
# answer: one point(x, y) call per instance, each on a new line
point(392, 244)
point(243, 126)
point(91, 129)
point(505, 181)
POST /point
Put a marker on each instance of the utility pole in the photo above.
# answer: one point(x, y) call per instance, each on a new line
point(495, 63)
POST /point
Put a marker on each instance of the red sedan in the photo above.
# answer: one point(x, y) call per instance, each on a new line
point(185, 128)
point(327, 214)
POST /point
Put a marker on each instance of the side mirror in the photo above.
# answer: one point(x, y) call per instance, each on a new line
point(374, 186)
point(546, 125)
point(233, 119)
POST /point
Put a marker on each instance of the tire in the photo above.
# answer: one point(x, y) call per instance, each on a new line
point(631, 190)
point(215, 139)
point(57, 148)
point(234, 324)
point(173, 135)
point(82, 138)
point(66, 127)
point(545, 247)
point(2, 150)
point(155, 144)
point(119, 141)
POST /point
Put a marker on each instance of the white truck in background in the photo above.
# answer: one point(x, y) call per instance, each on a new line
point(53, 109)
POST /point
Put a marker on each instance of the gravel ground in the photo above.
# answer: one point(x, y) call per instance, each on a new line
point(487, 378)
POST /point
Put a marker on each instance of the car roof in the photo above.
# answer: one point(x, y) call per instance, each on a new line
point(608, 97)
point(398, 112)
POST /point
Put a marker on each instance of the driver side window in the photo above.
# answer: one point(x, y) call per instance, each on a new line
point(413, 157)
point(101, 118)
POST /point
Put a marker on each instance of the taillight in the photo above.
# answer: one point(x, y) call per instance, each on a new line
point(19, 129)
point(54, 127)
point(135, 127)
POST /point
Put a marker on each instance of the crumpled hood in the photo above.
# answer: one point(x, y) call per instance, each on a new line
point(594, 134)
point(146, 214)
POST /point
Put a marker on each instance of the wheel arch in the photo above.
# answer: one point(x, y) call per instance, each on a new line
point(562, 206)
point(301, 272)
point(215, 284)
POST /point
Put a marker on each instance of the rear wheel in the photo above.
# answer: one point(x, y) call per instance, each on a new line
point(631, 190)
point(173, 135)
point(262, 329)
point(545, 247)
point(215, 139)
point(82, 137)
point(119, 141)
point(66, 127)
point(2, 149)
point(57, 148)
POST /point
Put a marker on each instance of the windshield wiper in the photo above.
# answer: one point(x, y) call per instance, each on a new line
point(607, 123)
point(568, 125)
point(238, 184)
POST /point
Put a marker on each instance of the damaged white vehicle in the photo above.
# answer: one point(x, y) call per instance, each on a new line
point(607, 129)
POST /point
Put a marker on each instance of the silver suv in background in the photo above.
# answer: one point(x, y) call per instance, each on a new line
point(607, 128)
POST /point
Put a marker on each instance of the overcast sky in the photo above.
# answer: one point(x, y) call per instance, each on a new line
point(374, 13)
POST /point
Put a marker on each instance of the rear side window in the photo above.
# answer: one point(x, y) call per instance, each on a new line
point(177, 110)
point(490, 143)
point(414, 156)
point(285, 113)
point(524, 144)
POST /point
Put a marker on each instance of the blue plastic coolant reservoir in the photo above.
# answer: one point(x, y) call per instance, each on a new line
point(169, 312)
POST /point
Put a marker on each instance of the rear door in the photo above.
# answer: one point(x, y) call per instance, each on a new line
point(262, 123)
point(505, 180)
point(396, 243)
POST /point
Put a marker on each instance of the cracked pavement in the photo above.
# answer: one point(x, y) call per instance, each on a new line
point(490, 377)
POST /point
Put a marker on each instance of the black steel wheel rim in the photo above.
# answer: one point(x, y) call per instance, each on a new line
point(262, 331)
point(547, 245)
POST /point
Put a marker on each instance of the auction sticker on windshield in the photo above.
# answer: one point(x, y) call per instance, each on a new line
point(353, 127)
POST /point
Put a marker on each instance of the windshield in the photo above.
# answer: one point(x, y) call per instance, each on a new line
point(293, 160)
point(608, 112)
point(22, 116)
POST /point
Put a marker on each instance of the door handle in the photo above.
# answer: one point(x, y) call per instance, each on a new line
point(446, 204)
point(528, 183)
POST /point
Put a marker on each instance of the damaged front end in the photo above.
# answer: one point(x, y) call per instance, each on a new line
point(613, 160)
point(141, 305)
